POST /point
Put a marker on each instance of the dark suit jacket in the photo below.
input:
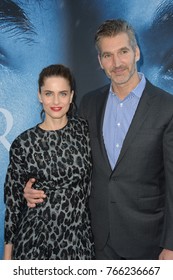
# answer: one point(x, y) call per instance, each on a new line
point(134, 202)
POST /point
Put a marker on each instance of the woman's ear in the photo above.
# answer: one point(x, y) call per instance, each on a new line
point(39, 97)
point(71, 97)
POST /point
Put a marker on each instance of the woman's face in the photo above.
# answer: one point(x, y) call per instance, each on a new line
point(56, 96)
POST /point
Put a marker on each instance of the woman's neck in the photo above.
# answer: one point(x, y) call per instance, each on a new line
point(53, 124)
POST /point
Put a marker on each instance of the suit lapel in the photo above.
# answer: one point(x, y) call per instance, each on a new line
point(138, 119)
point(101, 106)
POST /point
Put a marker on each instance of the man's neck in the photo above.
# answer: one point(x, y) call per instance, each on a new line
point(122, 90)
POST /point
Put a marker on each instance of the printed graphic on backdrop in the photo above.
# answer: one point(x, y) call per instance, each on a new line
point(34, 34)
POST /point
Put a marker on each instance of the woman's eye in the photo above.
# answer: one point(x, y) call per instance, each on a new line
point(48, 93)
point(63, 93)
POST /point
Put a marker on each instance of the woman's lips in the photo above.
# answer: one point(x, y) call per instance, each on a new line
point(56, 109)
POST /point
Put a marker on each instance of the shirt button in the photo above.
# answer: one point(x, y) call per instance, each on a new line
point(117, 145)
point(118, 124)
point(121, 104)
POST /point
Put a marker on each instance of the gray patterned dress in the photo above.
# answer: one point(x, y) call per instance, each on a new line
point(58, 228)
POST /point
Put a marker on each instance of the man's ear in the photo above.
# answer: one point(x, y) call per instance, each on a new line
point(137, 54)
point(99, 59)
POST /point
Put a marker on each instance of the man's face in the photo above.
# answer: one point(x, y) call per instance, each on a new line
point(118, 59)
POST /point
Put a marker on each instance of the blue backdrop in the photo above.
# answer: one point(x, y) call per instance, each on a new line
point(36, 33)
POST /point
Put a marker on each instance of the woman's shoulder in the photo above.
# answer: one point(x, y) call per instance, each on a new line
point(79, 121)
point(24, 136)
point(80, 126)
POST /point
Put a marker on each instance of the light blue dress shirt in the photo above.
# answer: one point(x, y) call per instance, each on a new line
point(117, 119)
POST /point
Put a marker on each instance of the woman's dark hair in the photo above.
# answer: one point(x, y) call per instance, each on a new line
point(58, 70)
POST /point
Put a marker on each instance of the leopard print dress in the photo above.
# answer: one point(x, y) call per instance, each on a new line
point(59, 228)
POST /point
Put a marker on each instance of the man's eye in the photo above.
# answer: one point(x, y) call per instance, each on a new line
point(123, 52)
point(107, 56)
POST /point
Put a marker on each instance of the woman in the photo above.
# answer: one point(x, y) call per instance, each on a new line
point(57, 153)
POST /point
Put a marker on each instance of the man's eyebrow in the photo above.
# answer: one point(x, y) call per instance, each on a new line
point(14, 20)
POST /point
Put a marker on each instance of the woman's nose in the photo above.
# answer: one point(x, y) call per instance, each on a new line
point(56, 99)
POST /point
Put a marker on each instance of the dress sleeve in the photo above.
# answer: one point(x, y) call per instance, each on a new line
point(13, 190)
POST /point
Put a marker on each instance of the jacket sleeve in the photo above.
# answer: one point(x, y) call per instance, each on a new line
point(167, 237)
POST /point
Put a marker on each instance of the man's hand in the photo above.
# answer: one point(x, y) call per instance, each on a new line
point(166, 255)
point(31, 195)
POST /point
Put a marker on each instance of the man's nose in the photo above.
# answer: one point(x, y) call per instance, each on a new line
point(116, 60)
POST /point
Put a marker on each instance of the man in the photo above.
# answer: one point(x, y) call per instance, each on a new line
point(131, 130)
